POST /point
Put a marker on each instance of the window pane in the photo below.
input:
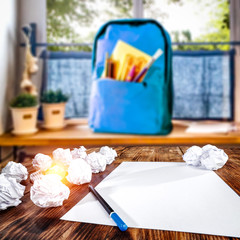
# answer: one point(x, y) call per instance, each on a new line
point(78, 20)
point(188, 20)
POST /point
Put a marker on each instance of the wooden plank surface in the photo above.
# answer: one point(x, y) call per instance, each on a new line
point(80, 134)
point(28, 221)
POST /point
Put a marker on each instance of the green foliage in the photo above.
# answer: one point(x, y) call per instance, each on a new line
point(85, 48)
point(217, 31)
point(221, 36)
point(51, 96)
point(66, 17)
point(123, 7)
point(62, 13)
point(175, 1)
point(24, 100)
point(182, 37)
point(220, 17)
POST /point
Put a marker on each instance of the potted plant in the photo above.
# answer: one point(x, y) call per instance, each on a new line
point(53, 104)
point(24, 107)
point(24, 110)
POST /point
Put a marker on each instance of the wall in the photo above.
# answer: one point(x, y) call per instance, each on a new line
point(31, 11)
point(8, 41)
point(13, 15)
point(235, 36)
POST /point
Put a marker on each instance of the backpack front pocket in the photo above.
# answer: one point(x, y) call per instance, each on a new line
point(126, 107)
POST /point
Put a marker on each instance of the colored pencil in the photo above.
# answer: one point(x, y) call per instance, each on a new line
point(148, 65)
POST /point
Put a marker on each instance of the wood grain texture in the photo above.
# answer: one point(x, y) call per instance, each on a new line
point(81, 134)
point(28, 221)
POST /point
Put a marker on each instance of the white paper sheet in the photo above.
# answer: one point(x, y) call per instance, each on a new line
point(164, 196)
point(198, 127)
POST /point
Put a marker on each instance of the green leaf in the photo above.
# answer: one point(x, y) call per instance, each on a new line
point(51, 96)
point(24, 100)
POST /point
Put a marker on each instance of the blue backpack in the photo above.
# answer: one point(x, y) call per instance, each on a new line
point(128, 107)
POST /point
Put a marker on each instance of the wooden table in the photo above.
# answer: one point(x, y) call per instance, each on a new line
point(28, 221)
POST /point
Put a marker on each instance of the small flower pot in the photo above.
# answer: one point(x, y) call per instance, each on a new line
point(53, 114)
point(24, 120)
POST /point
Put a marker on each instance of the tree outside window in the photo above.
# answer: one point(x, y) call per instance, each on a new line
point(77, 21)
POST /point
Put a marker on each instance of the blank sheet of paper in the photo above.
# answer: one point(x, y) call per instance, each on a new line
point(164, 196)
point(198, 127)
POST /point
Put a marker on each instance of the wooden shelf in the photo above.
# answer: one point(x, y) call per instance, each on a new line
point(78, 133)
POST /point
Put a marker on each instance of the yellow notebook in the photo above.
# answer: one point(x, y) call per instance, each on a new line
point(124, 56)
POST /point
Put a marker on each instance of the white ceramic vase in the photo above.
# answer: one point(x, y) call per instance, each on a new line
point(24, 120)
point(53, 114)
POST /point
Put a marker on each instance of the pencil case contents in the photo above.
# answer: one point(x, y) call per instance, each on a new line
point(128, 63)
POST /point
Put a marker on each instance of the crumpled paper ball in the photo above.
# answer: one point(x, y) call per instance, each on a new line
point(79, 172)
point(213, 158)
point(49, 191)
point(209, 157)
point(109, 153)
point(11, 191)
point(63, 156)
point(79, 153)
point(209, 147)
point(42, 162)
point(36, 176)
point(192, 156)
point(15, 170)
point(97, 162)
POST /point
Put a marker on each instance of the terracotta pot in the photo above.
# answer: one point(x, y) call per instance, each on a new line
point(53, 114)
point(24, 120)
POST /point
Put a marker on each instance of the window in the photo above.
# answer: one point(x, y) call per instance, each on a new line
point(78, 21)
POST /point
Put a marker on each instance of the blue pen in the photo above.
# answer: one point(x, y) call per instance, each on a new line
point(120, 223)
